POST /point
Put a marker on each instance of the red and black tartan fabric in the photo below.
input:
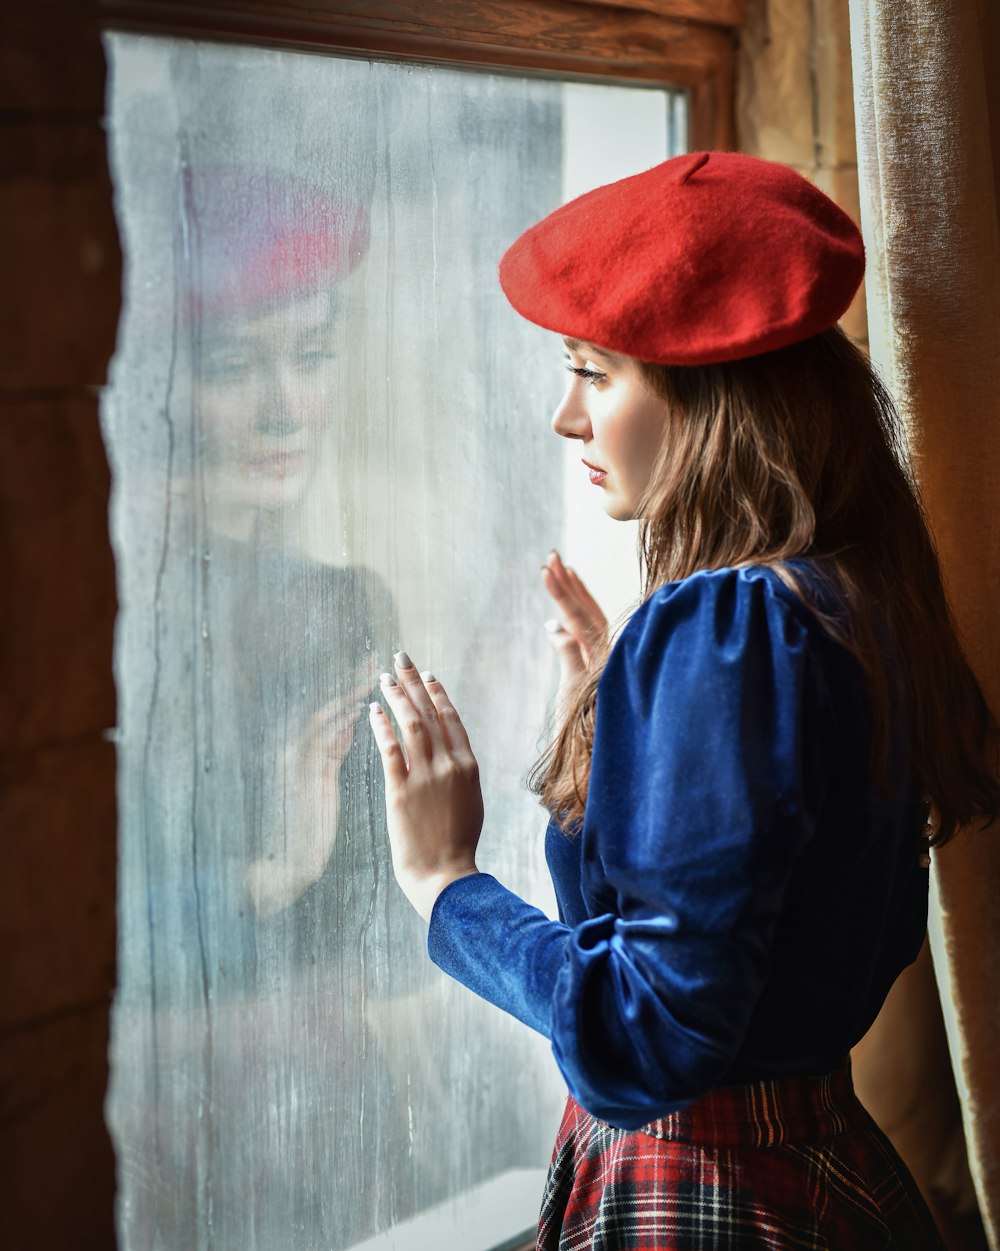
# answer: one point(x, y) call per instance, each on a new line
point(790, 1165)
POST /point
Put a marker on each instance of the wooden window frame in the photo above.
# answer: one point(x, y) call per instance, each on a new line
point(689, 44)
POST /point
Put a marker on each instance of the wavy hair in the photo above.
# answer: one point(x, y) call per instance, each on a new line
point(800, 453)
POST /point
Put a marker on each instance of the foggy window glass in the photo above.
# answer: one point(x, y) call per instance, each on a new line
point(329, 439)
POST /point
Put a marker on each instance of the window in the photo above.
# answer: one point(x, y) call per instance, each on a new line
point(329, 439)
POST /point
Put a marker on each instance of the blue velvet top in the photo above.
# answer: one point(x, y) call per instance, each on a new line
point(741, 896)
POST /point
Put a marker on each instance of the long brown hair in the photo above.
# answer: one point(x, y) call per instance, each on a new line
point(794, 453)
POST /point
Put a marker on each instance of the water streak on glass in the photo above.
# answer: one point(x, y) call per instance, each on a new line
point(329, 439)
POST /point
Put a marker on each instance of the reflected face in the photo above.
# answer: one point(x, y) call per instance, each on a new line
point(618, 419)
point(263, 389)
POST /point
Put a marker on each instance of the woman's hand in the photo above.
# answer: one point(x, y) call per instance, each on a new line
point(434, 803)
point(583, 628)
point(312, 764)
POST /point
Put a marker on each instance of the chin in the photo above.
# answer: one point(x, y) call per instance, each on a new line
point(259, 494)
point(619, 511)
point(279, 492)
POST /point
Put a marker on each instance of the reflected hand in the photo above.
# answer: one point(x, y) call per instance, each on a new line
point(434, 803)
point(312, 764)
point(583, 629)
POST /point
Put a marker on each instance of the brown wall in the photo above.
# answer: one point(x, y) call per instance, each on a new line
point(60, 260)
point(794, 102)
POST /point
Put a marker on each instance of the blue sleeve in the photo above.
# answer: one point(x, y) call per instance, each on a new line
point(708, 769)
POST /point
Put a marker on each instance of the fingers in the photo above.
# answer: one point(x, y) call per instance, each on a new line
point(420, 727)
point(554, 574)
point(329, 737)
point(588, 604)
point(330, 732)
point(448, 717)
point(393, 760)
point(585, 611)
point(428, 721)
point(347, 706)
point(582, 612)
point(368, 670)
point(558, 589)
point(416, 692)
point(566, 648)
point(339, 715)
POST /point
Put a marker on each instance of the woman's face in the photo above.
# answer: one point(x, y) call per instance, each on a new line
point(619, 421)
point(263, 391)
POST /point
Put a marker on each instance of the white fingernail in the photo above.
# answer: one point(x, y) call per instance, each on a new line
point(387, 679)
point(373, 707)
point(554, 627)
point(427, 676)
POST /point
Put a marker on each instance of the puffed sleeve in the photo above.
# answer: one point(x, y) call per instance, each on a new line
point(712, 735)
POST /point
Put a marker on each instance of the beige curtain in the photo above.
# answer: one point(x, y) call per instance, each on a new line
point(927, 100)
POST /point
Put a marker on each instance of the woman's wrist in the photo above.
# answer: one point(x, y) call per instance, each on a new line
point(274, 885)
point(423, 891)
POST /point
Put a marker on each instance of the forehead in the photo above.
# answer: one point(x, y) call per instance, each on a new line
point(291, 320)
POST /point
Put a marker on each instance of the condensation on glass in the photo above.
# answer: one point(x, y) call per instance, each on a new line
point(329, 438)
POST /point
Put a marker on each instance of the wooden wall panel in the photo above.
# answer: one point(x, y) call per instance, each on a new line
point(55, 650)
point(60, 258)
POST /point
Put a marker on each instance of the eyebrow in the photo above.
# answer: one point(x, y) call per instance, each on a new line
point(229, 340)
point(575, 345)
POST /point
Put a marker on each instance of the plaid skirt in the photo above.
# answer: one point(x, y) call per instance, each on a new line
point(789, 1165)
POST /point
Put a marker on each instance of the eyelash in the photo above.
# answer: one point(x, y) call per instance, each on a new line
point(591, 375)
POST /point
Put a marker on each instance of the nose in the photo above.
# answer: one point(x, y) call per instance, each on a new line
point(570, 418)
point(274, 410)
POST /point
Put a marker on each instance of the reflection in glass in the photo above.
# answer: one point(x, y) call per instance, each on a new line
point(329, 438)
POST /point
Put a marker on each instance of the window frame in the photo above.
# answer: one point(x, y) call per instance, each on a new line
point(689, 44)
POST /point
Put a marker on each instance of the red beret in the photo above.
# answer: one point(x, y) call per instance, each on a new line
point(712, 256)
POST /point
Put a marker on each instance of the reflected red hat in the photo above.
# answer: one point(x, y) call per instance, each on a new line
point(712, 256)
point(261, 236)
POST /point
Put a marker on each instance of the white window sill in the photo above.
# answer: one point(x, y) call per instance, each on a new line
point(490, 1217)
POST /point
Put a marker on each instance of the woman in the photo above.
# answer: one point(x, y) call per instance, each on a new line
point(744, 787)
